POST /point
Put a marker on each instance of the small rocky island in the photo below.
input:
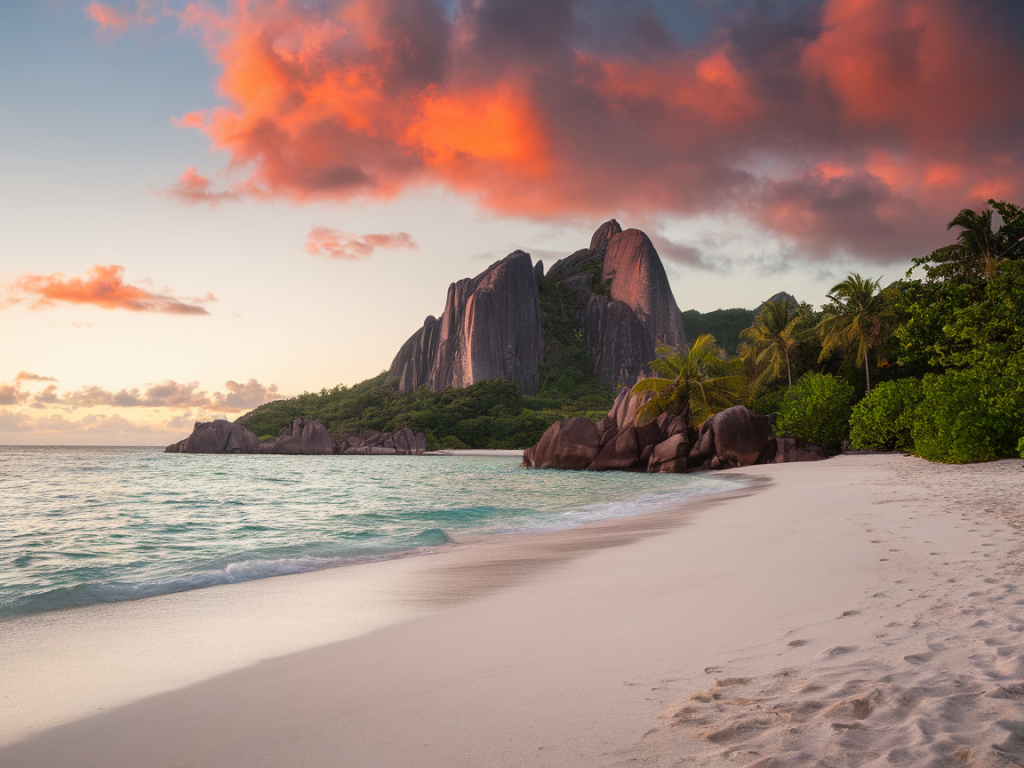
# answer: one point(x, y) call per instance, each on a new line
point(302, 437)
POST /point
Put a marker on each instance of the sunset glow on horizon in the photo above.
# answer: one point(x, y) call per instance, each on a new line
point(179, 172)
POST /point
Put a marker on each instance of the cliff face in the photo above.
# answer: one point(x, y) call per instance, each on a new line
point(639, 311)
point(491, 324)
point(639, 281)
point(618, 342)
point(490, 329)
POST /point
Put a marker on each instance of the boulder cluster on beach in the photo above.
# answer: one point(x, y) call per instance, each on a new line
point(735, 437)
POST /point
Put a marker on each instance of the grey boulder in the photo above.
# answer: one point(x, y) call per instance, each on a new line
point(567, 444)
point(301, 438)
point(219, 436)
point(735, 437)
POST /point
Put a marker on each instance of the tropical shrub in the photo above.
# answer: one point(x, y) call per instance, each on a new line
point(957, 423)
point(768, 403)
point(884, 418)
point(816, 409)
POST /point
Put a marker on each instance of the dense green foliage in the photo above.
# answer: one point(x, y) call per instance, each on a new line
point(962, 326)
point(724, 324)
point(958, 423)
point(883, 420)
point(567, 367)
point(489, 414)
point(768, 403)
point(816, 409)
point(946, 345)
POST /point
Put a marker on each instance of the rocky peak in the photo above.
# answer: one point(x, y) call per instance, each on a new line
point(639, 281)
point(604, 233)
point(490, 329)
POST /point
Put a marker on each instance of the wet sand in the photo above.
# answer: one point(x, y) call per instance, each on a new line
point(859, 611)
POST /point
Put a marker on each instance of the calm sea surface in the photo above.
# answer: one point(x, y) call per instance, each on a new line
point(88, 525)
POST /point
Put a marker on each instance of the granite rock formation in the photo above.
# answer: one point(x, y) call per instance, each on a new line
point(639, 281)
point(626, 305)
point(404, 442)
point(217, 436)
point(306, 437)
point(567, 444)
point(619, 296)
point(300, 438)
point(490, 329)
point(618, 342)
point(735, 437)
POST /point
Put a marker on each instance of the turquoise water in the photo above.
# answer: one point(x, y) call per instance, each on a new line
point(87, 525)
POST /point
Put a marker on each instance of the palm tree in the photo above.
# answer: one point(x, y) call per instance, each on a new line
point(856, 318)
point(976, 241)
point(774, 337)
point(695, 383)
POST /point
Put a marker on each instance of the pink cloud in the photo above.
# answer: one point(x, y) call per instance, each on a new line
point(192, 188)
point(26, 376)
point(116, 21)
point(168, 394)
point(322, 241)
point(103, 286)
point(12, 394)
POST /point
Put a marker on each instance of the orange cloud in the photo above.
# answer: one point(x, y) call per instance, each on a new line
point(191, 188)
point(116, 21)
point(322, 241)
point(26, 376)
point(898, 111)
point(103, 286)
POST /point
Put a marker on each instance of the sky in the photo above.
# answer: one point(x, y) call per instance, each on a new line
point(209, 205)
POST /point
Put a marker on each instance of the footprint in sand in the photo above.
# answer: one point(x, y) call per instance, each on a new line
point(837, 650)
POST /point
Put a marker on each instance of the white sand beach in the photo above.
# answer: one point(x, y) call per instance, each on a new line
point(863, 611)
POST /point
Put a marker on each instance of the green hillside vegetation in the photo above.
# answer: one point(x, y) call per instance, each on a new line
point(489, 414)
point(724, 324)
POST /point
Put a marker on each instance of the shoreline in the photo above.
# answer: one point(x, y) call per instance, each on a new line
point(433, 537)
point(844, 590)
point(222, 622)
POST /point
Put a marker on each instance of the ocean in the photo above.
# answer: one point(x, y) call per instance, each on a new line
point(84, 525)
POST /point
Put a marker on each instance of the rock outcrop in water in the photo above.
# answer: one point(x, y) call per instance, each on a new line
point(218, 436)
point(404, 442)
point(301, 438)
point(305, 437)
point(490, 329)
